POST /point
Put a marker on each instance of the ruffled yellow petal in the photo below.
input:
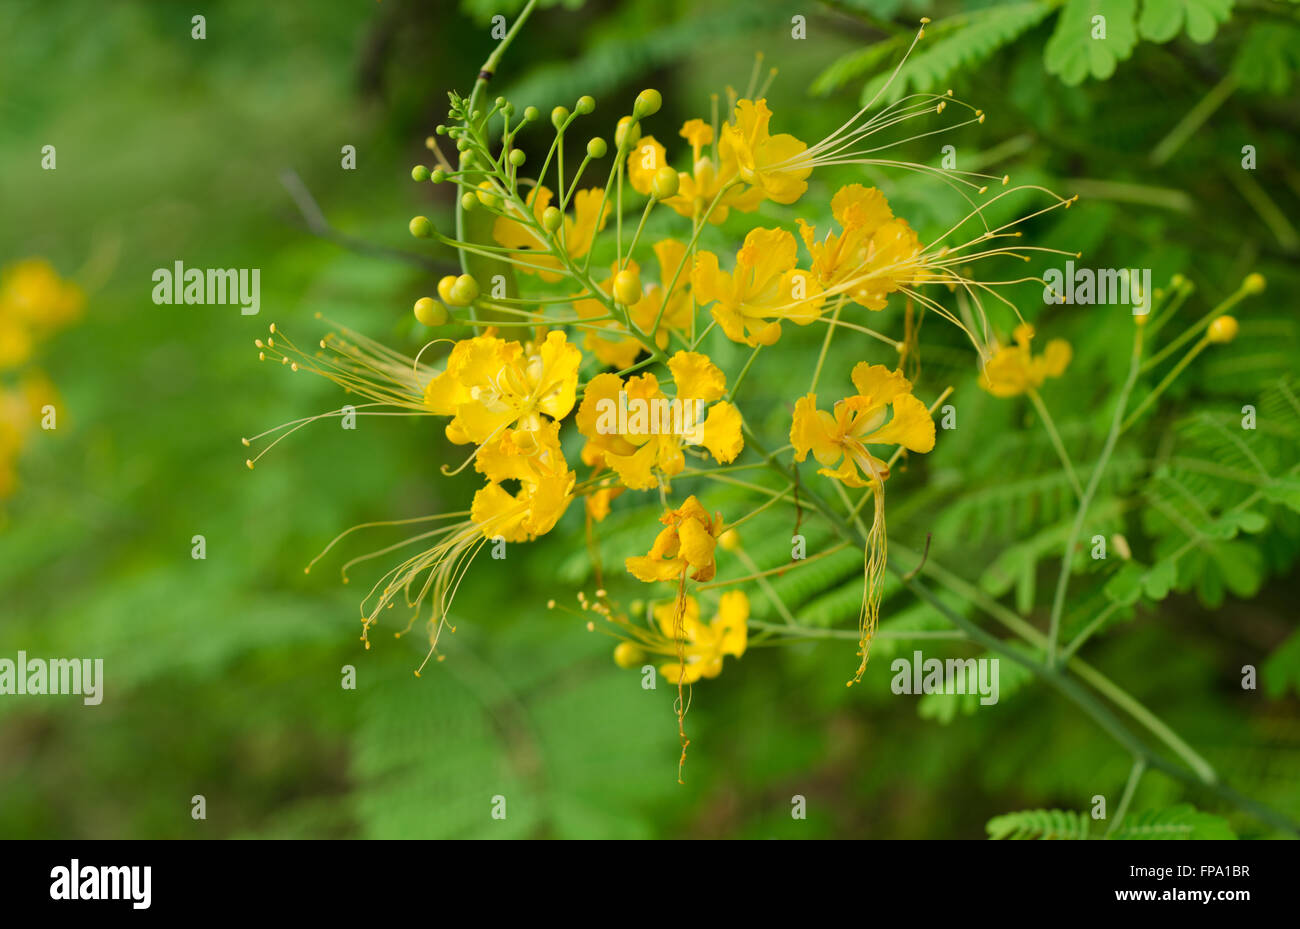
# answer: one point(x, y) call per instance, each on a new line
point(697, 377)
point(722, 433)
point(912, 427)
point(879, 383)
point(732, 623)
point(813, 430)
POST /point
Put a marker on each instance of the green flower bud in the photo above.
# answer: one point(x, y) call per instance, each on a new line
point(468, 201)
point(596, 148)
point(430, 312)
point(627, 134)
point(419, 173)
point(464, 291)
point(500, 102)
point(421, 228)
point(530, 114)
point(517, 156)
point(665, 183)
point(1253, 284)
point(438, 176)
point(648, 103)
point(584, 105)
point(552, 218)
point(558, 116)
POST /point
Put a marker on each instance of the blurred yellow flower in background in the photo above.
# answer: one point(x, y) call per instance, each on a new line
point(1013, 370)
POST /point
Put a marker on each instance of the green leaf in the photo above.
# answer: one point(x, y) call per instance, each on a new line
point(1039, 824)
point(1282, 669)
point(1073, 54)
point(1176, 822)
point(1268, 57)
point(1162, 20)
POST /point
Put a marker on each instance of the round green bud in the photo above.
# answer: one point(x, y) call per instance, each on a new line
point(430, 312)
point(627, 134)
point(517, 156)
point(440, 129)
point(558, 116)
point(500, 102)
point(468, 201)
point(552, 218)
point(665, 183)
point(419, 173)
point(464, 291)
point(478, 114)
point(648, 103)
point(530, 114)
point(584, 105)
point(461, 144)
point(1253, 284)
point(421, 228)
point(438, 176)
point(596, 148)
point(508, 109)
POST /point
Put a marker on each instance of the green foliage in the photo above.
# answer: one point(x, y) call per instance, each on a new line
point(1178, 822)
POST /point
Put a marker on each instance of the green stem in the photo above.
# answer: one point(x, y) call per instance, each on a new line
point(1048, 423)
point(1135, 775)
point(1094, 481)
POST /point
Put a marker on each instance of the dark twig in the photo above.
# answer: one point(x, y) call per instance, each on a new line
point(318, 225)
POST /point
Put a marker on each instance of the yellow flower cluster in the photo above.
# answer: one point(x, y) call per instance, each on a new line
point(34, 303)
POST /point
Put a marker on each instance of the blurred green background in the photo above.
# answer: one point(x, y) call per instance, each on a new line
point(223, 674)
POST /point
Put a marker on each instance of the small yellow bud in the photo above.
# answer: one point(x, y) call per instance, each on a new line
point(1253, 284)
point(627, 133)
point(584, 105)
point(421, 228)
point(665, 183)
point(627, 287)
point(552, 218)
point(430, 312)
point(559, 116)
point(647, 103)
point(1223, 330)
point(627, 655)
point(596, 148)
point(487, 195)
point(729, 540)
point(444, 287)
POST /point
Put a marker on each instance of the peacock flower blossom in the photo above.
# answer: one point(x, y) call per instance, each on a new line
point(490, 384)
point(776, 165)
point(683, 548)
point(765, 288)
point(859, 421)
point(632, 427)
point(875, 253)
point(1014, 370)
point(534, 460)
point(704, 644)
point(574, 237)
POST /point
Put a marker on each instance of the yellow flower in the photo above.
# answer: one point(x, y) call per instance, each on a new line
point(684, 546)
point(774, 164)
point(620, 349)
point(536, 461)
point(20, 410)
point(873, 256)
point(859, 421)
point(490, 384)
point(576, 235)
point(634, 428)
point(697, 189)
point(34, 301)
point(703, 646)
point(765, 288)
point(1013, 370)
